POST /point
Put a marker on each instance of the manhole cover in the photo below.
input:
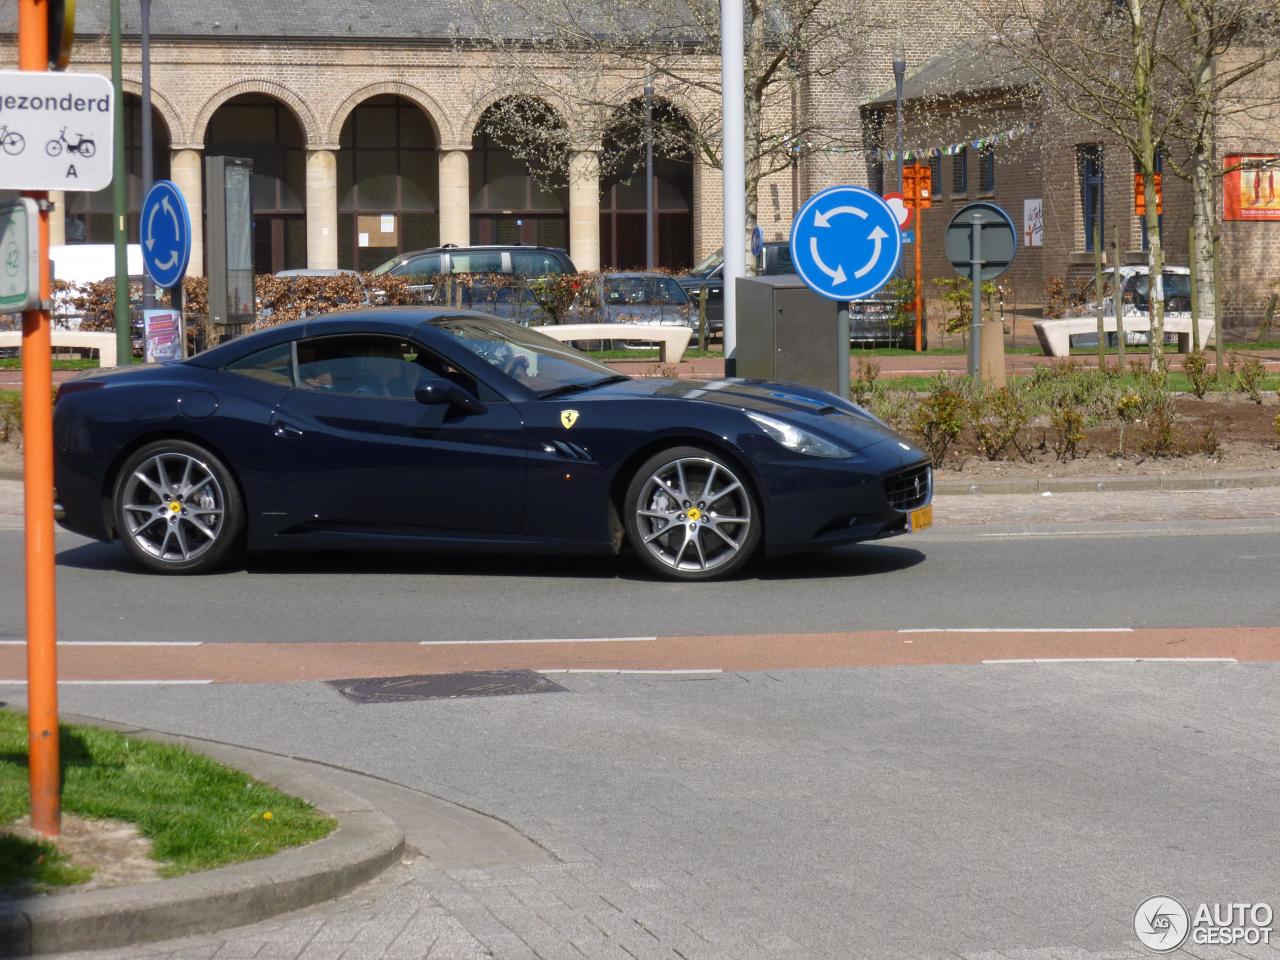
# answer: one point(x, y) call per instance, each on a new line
point(444, 686)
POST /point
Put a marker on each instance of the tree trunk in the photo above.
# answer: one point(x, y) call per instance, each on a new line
point(1203, 215)
point(1146, 157)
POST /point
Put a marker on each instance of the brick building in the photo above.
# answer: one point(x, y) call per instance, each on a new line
point(362, 119)
point(986, 137)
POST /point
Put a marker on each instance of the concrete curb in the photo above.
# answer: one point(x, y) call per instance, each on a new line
point(364, 844)
point(948, 488)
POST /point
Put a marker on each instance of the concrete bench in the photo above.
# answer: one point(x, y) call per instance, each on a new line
point(1055, 335)
point(104, 343)
point(672, 340)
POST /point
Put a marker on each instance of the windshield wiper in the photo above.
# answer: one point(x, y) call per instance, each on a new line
point(579, 387)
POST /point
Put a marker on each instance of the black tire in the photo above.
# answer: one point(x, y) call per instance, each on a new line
point(187, 517)
point(716, 524)
point(53, 148)
point(87, 149)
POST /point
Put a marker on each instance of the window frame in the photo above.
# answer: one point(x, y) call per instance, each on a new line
point(1093, 191)
point(960, 173)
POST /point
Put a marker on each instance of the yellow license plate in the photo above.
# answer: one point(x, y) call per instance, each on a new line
point(920, 519)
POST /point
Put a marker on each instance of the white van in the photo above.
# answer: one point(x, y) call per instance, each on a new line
point(86, 263)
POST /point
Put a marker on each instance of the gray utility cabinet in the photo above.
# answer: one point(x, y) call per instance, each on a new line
point(787, 332)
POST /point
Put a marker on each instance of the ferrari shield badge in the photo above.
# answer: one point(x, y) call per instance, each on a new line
point(568, 418)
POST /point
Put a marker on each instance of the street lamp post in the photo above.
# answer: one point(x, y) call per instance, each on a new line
point(650, 258)
point(899, 74)
point(148, 173)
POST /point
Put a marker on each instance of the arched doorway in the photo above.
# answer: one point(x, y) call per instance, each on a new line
point(622, 188)
point(509, 204)
point(88, 215)
point(266, 131)
point(388, 183)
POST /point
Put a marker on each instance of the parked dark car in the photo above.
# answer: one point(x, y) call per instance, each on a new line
point(877, 323)
point(635, 297)
point(409, 427)
point(517, 260)
point(774, 259)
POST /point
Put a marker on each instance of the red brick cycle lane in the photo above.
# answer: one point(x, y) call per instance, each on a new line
point(302, 662)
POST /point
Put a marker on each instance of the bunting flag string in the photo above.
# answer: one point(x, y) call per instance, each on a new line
point(951, 149)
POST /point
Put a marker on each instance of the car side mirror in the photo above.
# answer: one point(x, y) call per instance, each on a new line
point(433, 391)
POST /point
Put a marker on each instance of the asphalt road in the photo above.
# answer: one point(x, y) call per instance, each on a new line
point(963, 577)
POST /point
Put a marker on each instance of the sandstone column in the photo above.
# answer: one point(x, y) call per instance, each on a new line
point(322, 210)
point(185, 169)
point(58, 218)
point(455, 195)
point(584, 209)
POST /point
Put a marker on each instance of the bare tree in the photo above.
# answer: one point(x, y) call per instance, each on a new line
point(590, 60)
point(1097, 60)
point(1214, 73)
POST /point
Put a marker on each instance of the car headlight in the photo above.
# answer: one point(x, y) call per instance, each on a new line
point(800, 441)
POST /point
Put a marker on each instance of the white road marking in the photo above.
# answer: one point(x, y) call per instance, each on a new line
point(1018, 630)
point(1120, 660)
point(85, 683)
point(468, 643)
point(602, 670)
point(112, 643)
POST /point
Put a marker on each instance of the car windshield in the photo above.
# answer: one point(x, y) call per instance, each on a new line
point(389, 265)
point(643, 290)
point(532, 359)
point(708, 264)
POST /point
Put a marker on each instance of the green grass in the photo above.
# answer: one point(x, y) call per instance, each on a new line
point(690, 354)
point(1177, 382)
point(85, 363)
point(197, 813)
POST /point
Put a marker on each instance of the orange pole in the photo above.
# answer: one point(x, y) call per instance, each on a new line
point(919, 305)
point(37, 438)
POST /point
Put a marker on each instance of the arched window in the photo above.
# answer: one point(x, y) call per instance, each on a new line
point(89, 214)
point(388, 183)
point(508, 204)
point(622, 189)
point(265, 131)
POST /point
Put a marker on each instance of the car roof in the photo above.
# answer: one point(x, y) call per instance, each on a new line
point(636, 275)
point(395, 321)
point(485, 246)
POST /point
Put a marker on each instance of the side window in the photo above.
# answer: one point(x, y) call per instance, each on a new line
point(370, 366)
point(960, 172)
point(486, 262)
point(531, 263)
point(272, 365)
point(420, 266)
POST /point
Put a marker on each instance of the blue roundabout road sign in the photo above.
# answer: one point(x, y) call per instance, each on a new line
point(166, 233)
point(845, 243)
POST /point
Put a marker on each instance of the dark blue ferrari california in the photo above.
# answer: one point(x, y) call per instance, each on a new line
point(404, 426)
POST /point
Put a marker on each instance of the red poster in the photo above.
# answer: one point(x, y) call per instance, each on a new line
point(1251, 187)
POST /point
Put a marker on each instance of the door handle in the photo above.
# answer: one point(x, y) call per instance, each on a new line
point(286, 430)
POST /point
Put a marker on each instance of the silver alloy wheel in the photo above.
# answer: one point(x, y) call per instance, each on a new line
point(693, 514)
point(174, 507)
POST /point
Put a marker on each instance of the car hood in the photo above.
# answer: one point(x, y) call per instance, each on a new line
point(804, 406)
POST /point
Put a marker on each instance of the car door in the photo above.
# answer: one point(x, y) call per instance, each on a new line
point(352, 445)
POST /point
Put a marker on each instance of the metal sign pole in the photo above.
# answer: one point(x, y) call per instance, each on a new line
point(975, 273)
point(37, 442)
point(842, 342)
point(148, 173)
point(733, 122)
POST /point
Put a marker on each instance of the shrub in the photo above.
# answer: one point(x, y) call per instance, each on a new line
point(863, 383)
point(1248, 374)
point(999, 418)
point(1210, 445)
point(1196, 367)
point(1068, 431)
point(939, 418)
point(1160, 437)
